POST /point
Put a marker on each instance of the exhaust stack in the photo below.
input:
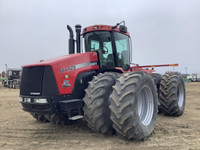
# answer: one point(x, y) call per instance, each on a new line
point(71, 40)
point(78, 40)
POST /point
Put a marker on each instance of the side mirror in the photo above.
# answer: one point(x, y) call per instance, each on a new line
point(123, 28)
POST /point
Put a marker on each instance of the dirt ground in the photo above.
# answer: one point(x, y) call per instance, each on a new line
point(19, 130)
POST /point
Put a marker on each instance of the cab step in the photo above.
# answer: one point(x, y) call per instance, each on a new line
point(76, 117)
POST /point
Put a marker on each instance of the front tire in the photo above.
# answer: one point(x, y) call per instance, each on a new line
point(134, 105)
point(96, 102)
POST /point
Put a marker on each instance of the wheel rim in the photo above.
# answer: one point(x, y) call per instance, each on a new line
point(145, 105)
point(180, 95)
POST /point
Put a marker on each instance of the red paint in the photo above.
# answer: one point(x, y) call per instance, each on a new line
point(149, 71)
point(121, 69)
point(102, 28)
point(65, 61)
point(152, 66)
point(140, 69)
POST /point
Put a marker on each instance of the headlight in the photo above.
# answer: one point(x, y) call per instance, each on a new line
point(40, 100)
point(27, 100)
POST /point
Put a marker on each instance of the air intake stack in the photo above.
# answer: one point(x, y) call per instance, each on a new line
point(71, 40)
point(78, 38)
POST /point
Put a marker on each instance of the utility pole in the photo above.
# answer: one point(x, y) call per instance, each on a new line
point(186, 70)
point(6, 67)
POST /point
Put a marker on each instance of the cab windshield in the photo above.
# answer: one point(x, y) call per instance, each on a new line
point(111, 54)
point(100, 41)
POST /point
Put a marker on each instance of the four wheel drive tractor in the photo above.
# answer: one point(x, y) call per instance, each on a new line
point(99, 83)
point(12, 78)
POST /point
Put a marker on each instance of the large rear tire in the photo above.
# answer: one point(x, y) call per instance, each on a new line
point(172, 94)
point(134, 105)
point(96, 102)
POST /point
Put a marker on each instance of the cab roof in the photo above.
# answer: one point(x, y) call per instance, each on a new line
point(102, 28)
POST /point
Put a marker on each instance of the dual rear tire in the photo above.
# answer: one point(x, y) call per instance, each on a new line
point(172, 94)
point(171, 91)
point(129, 104)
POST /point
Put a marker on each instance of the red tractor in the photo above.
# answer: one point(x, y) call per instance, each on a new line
point(99, 83)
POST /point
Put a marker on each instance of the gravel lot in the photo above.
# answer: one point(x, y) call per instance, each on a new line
point(19, 130)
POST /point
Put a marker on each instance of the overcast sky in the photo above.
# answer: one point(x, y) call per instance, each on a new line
point(162, 31)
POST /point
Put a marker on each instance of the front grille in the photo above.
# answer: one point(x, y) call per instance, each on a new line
point(32, 81)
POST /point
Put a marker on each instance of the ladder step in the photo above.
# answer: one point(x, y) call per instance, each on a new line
point(76, 117)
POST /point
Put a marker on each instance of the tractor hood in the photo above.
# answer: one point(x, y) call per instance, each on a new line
point(64, 69)
point(71, 59)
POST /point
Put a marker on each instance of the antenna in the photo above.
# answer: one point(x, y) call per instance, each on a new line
point(118, 24)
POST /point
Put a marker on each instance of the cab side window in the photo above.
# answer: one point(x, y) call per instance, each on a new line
point(123, 50)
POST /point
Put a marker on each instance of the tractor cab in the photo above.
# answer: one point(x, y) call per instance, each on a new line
point(110, 42)
point(112, 47)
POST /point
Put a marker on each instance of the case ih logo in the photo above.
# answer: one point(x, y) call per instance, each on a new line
point(69, 68)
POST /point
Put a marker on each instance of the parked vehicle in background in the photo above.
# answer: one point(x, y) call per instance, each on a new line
point(12, 78)
point(195, 77)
